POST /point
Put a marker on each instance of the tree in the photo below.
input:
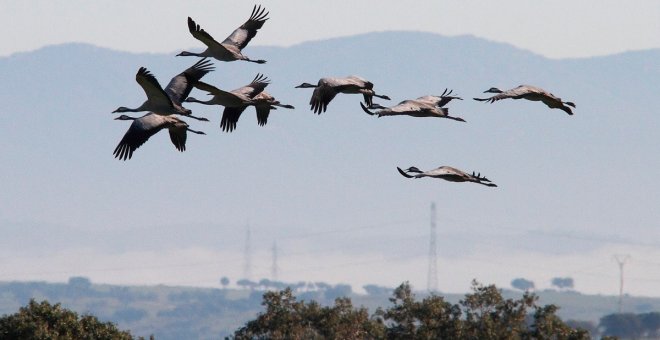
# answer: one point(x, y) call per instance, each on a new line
point(377, 290)
point(626, 325)
point(286, 318)
point(245, 283)
point(224, 281)
point(80, 283)
point(629, 325)
point(651, 324)
point(522, 284)
point(562, 282)
point(46, 321)
point(431, 318)
point(337, 291)
point(483, 314)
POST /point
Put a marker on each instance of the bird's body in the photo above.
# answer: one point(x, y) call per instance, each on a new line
point(447, 173)
point(426, 106)
point(532, 93)
point(230, 48)
point(168, 102)
point(235, 101)
point(148, 125)
point(264, 102)
point(327, 88)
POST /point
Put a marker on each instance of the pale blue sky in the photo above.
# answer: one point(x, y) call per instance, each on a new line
point(339, 200)
point(576, 29)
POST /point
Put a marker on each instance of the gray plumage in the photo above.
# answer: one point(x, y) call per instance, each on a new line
point(327, 88)
point(426, 106)
point(532, 93)
point(230, 48)
point(168, 101)
point(148, 125)
point(447, 173)
point(264, 102)
point(235, 101)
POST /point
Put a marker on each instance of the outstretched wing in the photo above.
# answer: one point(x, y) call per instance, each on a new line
point(180, 86)
point(321, 97)
point(516, 93)
point(403, 173)
point(225, 96)
point(137, 134)
point(152, 88)
point(178, 136)
point(201, 35)
point(242, 35)
point(262, 114)
point(230, 117)
point(255, 87)
point(446, 97)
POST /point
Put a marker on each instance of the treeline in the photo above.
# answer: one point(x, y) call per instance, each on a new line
point(317, 310)
point(631, 326)
point(483, 314)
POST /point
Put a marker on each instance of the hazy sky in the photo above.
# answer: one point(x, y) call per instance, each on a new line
point(95, 203)
point(576, 29)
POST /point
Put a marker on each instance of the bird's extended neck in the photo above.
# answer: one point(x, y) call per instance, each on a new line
point(126, 109)
point(195, 100)
point(306, 85)
point(190, 54)
point(259, 61)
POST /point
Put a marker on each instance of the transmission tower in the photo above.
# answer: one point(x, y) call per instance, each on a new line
point(273, 269)
point(621, 261)
point(432, 279)
point(247, 256)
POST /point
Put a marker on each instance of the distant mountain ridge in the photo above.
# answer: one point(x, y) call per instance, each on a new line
point(309, 180)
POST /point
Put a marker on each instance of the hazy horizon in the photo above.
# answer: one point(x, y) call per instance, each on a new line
point(325, 187)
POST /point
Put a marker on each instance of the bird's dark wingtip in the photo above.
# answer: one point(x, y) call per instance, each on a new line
point(403, 173)
point(365, 109)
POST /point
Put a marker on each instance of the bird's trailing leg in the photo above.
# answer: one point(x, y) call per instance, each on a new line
point(195, 131)
point(202, 119)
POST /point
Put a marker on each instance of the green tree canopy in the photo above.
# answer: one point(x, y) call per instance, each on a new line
point(46, 321)
point(483, 314)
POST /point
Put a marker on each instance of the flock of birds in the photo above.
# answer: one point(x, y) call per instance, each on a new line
point(164, 105)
